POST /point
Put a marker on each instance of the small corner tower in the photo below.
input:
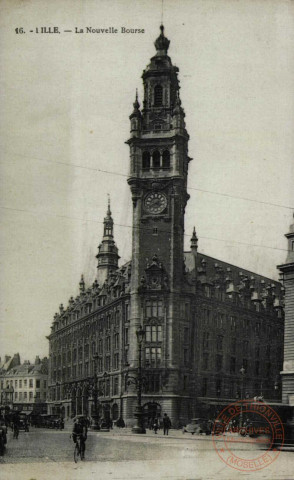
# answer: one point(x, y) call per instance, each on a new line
point(107, 251)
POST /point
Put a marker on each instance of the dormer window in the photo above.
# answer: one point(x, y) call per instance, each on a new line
point(146, 161)
point(158, 95)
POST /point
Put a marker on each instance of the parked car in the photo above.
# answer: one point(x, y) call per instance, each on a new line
point(198, 426)
point(56, 421)
point(23, 423)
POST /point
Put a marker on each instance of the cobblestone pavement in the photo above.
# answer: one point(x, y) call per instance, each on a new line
point(119, 454)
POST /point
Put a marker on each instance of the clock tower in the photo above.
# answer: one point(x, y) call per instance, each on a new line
point(158, 181)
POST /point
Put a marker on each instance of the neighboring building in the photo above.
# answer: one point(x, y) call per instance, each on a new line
point(9, 362)
point(24, 387)
point(204, 319)
point(287, 274)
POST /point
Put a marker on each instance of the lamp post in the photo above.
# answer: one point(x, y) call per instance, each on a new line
point(95, 426)
point(242, 371)
point(139, 414)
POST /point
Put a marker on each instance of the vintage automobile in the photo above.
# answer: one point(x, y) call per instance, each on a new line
point(56, 421)
point(198, 426)
point(23, 422)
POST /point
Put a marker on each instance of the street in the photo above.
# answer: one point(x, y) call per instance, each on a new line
point(44, 454)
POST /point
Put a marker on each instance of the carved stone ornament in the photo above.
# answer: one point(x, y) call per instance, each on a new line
point(155, 277)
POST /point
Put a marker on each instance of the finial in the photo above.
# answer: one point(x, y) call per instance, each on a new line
point(82, 284)
point(194, 240)
point(108, 207)
point(161, 43)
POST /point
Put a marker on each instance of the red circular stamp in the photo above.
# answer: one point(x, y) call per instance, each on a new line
point(246, 435)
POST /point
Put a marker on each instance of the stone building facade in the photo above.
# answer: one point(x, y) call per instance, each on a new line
point(203, 319)
point(23, 387)
point(287, 276)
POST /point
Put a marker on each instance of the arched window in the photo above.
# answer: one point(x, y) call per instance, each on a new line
point(158, 96)
point(166, 159)
point(146, 161)
point(156, 159)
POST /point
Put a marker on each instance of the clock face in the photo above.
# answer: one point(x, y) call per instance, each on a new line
point(155, 202)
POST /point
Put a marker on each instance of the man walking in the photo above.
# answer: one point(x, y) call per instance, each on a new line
point(166, 424)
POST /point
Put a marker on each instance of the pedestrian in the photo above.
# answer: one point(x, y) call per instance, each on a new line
point(166, 424)
point(155, 425)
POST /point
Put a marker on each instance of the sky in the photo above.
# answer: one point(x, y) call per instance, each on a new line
point(66, 99)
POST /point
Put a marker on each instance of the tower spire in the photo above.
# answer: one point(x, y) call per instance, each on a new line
point(107, 251)
point(194, 240)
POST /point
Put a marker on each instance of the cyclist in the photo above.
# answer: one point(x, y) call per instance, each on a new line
point(80, 430)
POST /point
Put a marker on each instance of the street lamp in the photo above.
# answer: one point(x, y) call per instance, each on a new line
point(95, 426)
point(139, 414)
point(242, 371)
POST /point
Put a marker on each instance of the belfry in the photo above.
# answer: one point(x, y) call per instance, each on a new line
point(170, 330)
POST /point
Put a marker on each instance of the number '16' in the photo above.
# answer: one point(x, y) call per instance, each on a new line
point(19, 30)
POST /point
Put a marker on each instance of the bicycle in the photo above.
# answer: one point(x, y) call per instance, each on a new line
point(78, 453)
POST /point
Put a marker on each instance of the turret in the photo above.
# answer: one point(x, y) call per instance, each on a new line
point(107, 251)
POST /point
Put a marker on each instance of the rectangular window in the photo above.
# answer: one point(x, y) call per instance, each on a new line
point(107, 387)
point(37, 383)
point(127, 312)
point(126, 336)
point(219, 342)
point(15, 383)
point(186, 335)
point(31, 395)
point(268, 351)
point(205, 340)
point(218, 362)
point(20, 384)
point(37, 394)
point(25, 395)
point(233, 323)
point(205, 361)
point(107, 362)
point(116, 361)
point(232, 365)
point(153, 308)
point(100, 364)
point(153, 333)
point(20, 395)
point(245, 364)
point(115, 386)
point(245, 347)
point(25, 382)
point(31, 383)
point(153, 356)
point(15, 395)
point(152, 383)
point(108, 344)
point(186, 357)
point(204, 387)
point(116, 340)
